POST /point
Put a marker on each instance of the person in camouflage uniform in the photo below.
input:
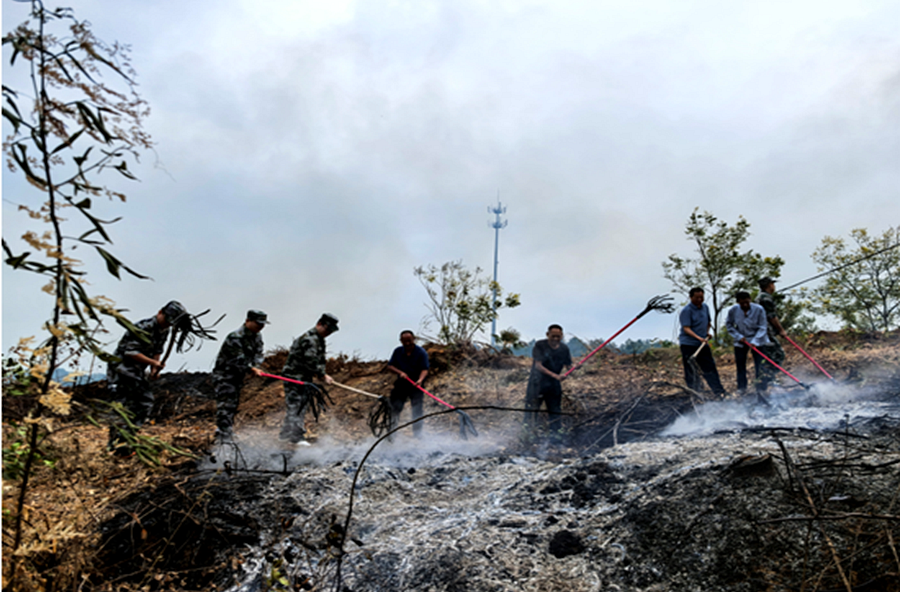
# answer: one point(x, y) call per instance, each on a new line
point(305, 361)
point(774, 351)
point(127, 379)
point(242, 350)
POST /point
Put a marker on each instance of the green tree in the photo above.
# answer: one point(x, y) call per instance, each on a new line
point(64, 130)
point(460, 301)
point(863, 291)
point(721, 267)
point(510, 340)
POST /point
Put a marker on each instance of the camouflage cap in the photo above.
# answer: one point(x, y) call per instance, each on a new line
point(765, 282)
point(258, 316)
point(329, 320)
point(174, 310)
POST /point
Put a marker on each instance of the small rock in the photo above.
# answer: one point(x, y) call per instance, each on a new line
point(565, 543)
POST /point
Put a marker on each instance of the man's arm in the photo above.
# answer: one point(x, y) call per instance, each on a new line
point(779, 330)
point(762, 329)
point(397, 371)
point(768, 303)
point(146, 360)
point(731, 325)
point(544, 370)
point(257, 360)
point(687, 329)
point(403, 374)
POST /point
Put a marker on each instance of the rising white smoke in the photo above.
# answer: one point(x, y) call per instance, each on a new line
point(823, 406)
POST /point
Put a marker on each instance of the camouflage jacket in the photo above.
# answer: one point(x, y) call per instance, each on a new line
point(767, 301)
point(240, 351)
point(131, 344)
point(307, 357)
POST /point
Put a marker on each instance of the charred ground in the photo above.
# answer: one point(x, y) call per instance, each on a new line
point(614, 507)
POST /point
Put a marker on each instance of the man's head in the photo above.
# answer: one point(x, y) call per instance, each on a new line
point(408, 339)
point(767, 284)
point(327, 324)
point(256, 320)
point(171, 313)
point(554, 335)
point(696, 295)
point(743, 300)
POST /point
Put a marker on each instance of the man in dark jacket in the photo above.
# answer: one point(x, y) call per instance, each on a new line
point(241, 351)
point(550, 357)
point(408, 361)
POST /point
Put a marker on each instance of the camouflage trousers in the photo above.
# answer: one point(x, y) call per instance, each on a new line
point(228, 392)
point(766, 372)
point(136, 397)
point(296, 398)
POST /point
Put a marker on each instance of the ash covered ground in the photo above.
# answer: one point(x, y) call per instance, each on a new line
point(655, 488)
point(729, 510)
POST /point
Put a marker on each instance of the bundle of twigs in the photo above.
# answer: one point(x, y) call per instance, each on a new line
point(187, 329)
point(380, 417)
point(190, 330)
point(318, 399)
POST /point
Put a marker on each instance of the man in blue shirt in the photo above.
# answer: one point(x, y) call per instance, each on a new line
point(746, 323)
point(696, 323)
point(408, 360)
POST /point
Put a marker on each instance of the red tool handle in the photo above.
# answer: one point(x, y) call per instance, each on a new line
point(601, 346)
point(767, 358)
point(415, 384)
point(808, 357)
point(285, 379)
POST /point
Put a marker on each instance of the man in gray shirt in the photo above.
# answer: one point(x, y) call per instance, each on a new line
point(746, 323)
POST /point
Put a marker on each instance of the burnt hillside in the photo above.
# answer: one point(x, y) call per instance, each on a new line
point(654, 487)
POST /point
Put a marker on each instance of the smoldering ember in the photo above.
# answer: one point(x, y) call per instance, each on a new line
point(653, 487)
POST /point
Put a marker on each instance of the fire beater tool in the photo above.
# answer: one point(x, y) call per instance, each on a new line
point(809, 357)
point(319, 399)
point(693, 360)
point(768, 359)
point(380, 418)
point(191, 329)
point(662, 304)
point(465, 422)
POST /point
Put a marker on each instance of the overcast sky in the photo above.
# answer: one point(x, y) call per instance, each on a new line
point(309, 155)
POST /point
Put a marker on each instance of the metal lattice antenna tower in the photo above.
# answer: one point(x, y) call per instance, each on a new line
point(497, 224)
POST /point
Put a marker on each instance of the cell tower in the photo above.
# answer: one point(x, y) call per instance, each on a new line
point(497, 224)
